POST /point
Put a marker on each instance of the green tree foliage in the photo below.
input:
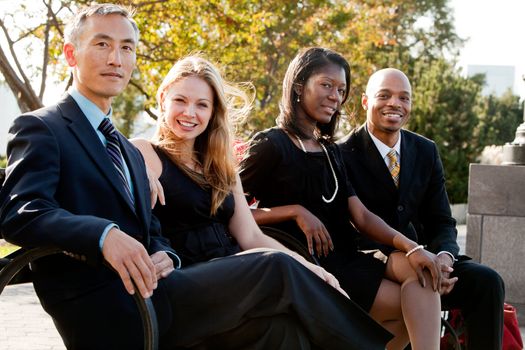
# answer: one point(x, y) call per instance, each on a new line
point(449, 109)
point(253, 41)
point(445, 109)
point(499, 119)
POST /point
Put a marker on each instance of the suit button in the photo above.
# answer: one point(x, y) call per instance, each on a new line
point(400, 208)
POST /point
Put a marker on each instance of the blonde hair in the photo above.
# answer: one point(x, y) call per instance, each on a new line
point(213, 150)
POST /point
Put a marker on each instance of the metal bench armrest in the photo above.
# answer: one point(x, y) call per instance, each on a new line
point(145, 306)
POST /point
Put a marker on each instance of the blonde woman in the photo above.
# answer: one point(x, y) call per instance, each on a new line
point(206, 216)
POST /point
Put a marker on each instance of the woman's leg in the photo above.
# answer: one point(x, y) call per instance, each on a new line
point(222, 294)
point(386, 310)
point(421, 306)
point(279, 332)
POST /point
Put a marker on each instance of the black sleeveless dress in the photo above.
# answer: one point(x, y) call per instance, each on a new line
point(186, 220)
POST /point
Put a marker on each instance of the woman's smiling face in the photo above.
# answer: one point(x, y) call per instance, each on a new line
point(188, 105)
point(322, 94)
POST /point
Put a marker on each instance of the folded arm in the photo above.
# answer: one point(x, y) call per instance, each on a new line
point(243, 227)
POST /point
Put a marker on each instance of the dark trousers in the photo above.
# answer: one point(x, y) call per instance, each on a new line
point(277, 332)
point(220, 297)
point(479, 293)
point(248, 301)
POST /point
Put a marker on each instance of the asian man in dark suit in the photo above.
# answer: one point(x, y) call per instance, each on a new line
point(75, 183)
point(407, 190)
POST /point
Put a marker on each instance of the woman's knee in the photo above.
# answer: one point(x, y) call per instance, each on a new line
point(399, 269)
point(387, 303)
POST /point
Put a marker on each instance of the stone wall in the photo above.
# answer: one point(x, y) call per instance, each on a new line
point(496, 225)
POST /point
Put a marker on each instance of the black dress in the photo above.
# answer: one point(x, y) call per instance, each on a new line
point(276, 172)
point(186, 221)
point(268, 285)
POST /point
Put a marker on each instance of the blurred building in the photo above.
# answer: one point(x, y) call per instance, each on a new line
point(498, 79)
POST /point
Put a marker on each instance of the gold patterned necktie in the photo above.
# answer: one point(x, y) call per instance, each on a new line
point(393, 166)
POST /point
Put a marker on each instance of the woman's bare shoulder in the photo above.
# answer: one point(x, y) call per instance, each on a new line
point(148, 152)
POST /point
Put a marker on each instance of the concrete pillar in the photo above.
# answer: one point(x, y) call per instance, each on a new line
point(496, 225)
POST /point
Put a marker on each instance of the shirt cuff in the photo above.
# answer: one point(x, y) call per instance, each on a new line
point(449, 254)
point(175, 259)
point(105, 233)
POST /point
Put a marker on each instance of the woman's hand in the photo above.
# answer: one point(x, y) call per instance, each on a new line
point(423, 259)
point(321, 272)
point(314, 230)
point(328, 278)
point(155, 187)
point(163, 264)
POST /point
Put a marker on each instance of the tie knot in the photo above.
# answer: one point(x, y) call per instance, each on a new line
point(392, 155)
point(106, 127)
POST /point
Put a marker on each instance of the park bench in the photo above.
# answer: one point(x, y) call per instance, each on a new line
point(15, 268)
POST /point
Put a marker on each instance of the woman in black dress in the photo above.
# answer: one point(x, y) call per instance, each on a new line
point(296, 174)
point(205, 215)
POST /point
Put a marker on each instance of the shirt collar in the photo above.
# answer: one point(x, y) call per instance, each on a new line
point(90, 110)
point(384, 149)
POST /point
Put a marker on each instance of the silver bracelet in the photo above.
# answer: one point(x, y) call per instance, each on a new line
point(415, 249)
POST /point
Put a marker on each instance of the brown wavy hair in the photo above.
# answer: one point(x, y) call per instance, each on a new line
point(213, 150)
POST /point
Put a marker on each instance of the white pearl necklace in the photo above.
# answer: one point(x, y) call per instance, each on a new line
point(331, 168)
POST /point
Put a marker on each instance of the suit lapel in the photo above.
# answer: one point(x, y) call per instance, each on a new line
point(370, 158)
point(408, 161)
point(134, 164)
point(88, 138)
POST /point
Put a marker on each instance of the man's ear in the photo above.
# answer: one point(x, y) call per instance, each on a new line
point(364, 101)
point(69, 53)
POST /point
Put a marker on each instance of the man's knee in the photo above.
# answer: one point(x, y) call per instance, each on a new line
point(486, 279)
point(477, 284)
point(279, 261)
point(493, 279)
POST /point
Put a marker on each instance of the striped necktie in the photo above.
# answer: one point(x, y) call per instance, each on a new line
point(393, 166)
point(113, 149)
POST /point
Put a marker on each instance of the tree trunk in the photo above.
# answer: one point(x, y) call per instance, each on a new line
point(24, 94)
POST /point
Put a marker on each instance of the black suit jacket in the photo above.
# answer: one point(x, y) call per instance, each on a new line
point(419, 208)
point(62, 190)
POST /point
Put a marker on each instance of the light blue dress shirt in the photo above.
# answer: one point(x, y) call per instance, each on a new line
point(95, 116)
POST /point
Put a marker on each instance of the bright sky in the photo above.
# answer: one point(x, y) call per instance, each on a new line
point(496, 32)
